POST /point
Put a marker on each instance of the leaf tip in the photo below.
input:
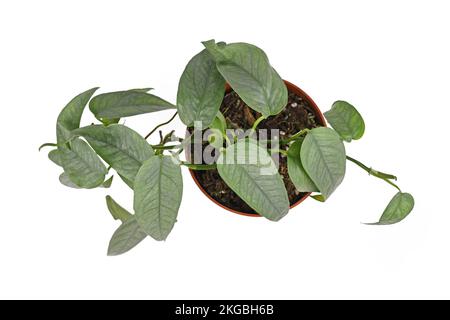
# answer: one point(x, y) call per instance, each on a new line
point(111, 253)
point(209, 43)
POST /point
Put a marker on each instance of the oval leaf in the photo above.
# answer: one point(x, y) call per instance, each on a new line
point(126, 237)
point(158, 188)
point(297, 173)
point(114, 105)
point(116, 210)
point(200, 91)
point(82, 165)
point(70, 117)
point(121, 147)
point(248, 71)
point(250, 172)
point(323, 157)
point(346, 120)
point(398, 209)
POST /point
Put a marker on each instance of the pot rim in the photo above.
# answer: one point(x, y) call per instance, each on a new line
point(321, 118)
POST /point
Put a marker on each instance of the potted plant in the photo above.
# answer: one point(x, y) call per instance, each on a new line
point(255, 144)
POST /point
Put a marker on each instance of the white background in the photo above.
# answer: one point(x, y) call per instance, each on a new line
point(388, 58)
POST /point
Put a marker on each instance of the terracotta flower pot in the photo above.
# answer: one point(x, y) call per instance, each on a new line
point(319, 118)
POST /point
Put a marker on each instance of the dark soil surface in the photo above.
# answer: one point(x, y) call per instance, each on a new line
point(297, 115)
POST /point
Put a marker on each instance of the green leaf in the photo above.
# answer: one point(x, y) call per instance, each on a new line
point(82, 165)
point(55, 157)
point(70, 117)
point(158, 189)
point(250, 172)
point(398, 209)
point(116, 210)
point(323, 157)
point(114, 105)
point(297, 173)
point(200, 91)
point(126, 237)
point(108, 182)
point(219, 123)
point(248, 71)
point(121, 147)
point(346, 120)
point(65, 180)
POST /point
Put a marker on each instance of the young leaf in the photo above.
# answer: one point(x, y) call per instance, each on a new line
point(158, 188)
point(82, 165)
point(70, 117)
point(121, 147)
point(248, 71)
point(397, 209)
point(65, 180)
point(215, 138)
point(219, 123)
point(116, 210)
point(55, 157)
point(126, 237)
point(323, 157)
point(346, 120)
point(114, 105)
point(200, 91)
point(297, 173)
point(250, 172)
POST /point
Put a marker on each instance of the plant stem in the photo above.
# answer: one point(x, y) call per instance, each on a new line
point(371, 171)
point(295, 136)
point(48, 145)
point(256, 123)
point(198, 166)
point(381, 175)
point(163, 147)
point(160, 125)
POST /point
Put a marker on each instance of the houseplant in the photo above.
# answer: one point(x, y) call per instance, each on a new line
point(255, 167)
